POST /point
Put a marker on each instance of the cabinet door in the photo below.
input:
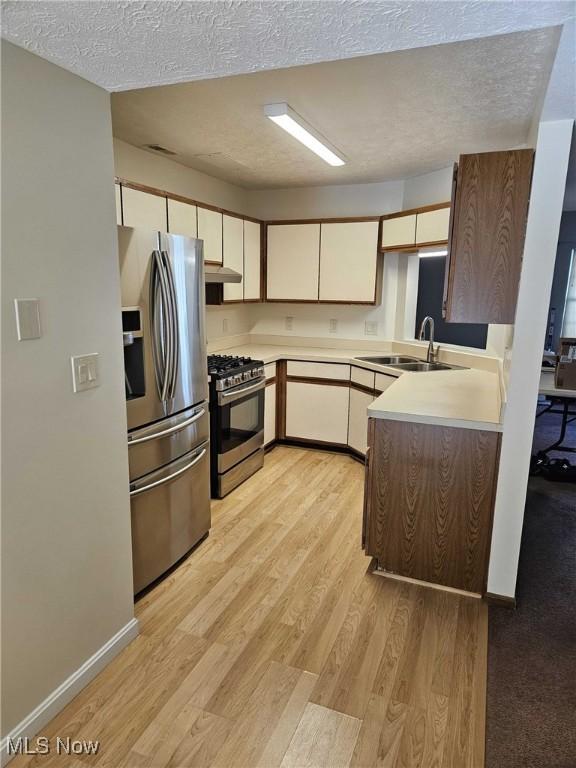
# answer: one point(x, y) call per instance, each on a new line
point(252, 261)
point(269, 414)
point(143, 210)
point(432, 227)
point(210, 231)
point(293, 255)
point(348, 261)
point(398, 232)
point(182, 218)
point(487, 239)
point(233, 254)
point(317, 412)
point(118, 192)
point(358, 420)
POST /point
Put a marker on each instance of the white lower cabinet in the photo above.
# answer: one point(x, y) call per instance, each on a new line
point(317, 412)
point(358, 420)
point(269, 413)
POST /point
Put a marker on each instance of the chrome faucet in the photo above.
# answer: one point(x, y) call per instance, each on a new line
point(432, 353)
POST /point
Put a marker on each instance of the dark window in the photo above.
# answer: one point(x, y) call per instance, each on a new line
point(430, 296)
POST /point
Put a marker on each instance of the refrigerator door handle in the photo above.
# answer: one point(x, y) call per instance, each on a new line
point(173, 320)
point(170, 431)
point(162, 325)
point(136, 490)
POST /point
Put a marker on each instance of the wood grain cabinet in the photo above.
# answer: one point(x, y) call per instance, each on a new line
point(348, 262)
point(233, 255)
point(182, 218)
point(210, 231)
point(491, 192)
point(293, 262)
point(429, 497)
point(144, 210)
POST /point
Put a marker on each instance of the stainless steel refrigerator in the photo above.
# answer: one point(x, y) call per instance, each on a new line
point(162, 278)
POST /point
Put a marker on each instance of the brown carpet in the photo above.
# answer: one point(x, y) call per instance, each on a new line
point(531, 702)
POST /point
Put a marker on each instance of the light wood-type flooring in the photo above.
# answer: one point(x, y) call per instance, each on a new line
point(273, 645)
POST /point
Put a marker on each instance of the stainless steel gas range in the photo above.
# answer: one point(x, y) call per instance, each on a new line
point(236, 420)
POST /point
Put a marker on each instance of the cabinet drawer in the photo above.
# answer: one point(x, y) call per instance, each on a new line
point(432, 226)
point(317, 412)
point(319, 370)
point(270, 370)
point(398, 232)
point(383, 382)
point(362, 376)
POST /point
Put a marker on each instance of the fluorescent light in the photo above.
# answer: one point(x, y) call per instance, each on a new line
point(428, 254)
point(284, 116)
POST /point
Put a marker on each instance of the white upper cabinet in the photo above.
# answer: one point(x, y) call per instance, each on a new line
point(143, 210)
point(293, 252)
point(398, 232)
point(118, 192)
point(182, 218)
point(348, 261)
point(210, 231)
point(252, 261)
point(432, 226)
point(233, 249)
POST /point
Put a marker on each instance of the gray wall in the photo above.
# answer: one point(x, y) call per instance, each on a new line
point(66, 553)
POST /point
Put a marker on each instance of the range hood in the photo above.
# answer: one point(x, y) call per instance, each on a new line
point(216, 274)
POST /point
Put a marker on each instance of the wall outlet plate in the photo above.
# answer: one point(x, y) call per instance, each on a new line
point(289, 323)
point(333, 326)
point(225, 325)
point(85, 372)
point(371, 328)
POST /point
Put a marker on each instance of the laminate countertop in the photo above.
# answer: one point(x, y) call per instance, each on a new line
point(467, 398)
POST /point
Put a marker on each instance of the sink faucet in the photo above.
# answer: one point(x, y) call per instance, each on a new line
point(432, 353)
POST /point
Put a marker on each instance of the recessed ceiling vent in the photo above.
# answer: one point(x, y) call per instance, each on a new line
point(159, 148)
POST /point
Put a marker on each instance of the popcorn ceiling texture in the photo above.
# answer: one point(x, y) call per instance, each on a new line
point(124, 45)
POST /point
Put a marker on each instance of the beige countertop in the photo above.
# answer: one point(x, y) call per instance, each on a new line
point(458, 398)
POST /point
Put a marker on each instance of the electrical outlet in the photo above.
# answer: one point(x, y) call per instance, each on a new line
point(289, 323)
point(371, 328)
point(225, 325)
point(333, 326)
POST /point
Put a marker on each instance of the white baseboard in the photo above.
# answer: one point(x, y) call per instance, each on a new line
point(65, 692)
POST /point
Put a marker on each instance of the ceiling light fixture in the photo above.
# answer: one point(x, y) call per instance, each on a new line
point(284, 116)
point(430, 254)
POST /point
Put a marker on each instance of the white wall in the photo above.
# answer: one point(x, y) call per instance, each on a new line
point(66, 550)
point(145, 167)
point(543, 226)
point(435, 187)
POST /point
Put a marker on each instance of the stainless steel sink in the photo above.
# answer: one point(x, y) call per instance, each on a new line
point(421, 366)
point(389, 360)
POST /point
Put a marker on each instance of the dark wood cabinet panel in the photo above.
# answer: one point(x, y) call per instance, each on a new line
point(429, 501)
point(490, 207)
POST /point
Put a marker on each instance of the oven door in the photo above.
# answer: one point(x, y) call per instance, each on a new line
point(239, 427)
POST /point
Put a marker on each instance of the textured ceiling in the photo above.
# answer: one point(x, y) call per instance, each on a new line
point(124, 45)
point(393, 115)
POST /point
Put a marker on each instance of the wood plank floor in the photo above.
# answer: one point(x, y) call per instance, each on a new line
point(273, 645)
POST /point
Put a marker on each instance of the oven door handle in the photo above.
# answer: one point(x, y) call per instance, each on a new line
point(237, 393)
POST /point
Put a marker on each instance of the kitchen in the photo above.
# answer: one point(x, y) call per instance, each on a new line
point(328, 604)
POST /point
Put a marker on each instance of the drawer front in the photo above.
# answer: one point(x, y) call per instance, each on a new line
point(270, 370)
point(383, 382)
point(337, 371)
point(362, 376)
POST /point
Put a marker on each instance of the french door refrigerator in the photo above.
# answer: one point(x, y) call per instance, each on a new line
point(162, 279)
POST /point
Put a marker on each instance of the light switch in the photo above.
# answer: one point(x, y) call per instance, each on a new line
point(85, 372)
point(27, 319)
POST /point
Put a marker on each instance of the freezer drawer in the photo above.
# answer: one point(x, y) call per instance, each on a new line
point(160, 443)
point(170, 511)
